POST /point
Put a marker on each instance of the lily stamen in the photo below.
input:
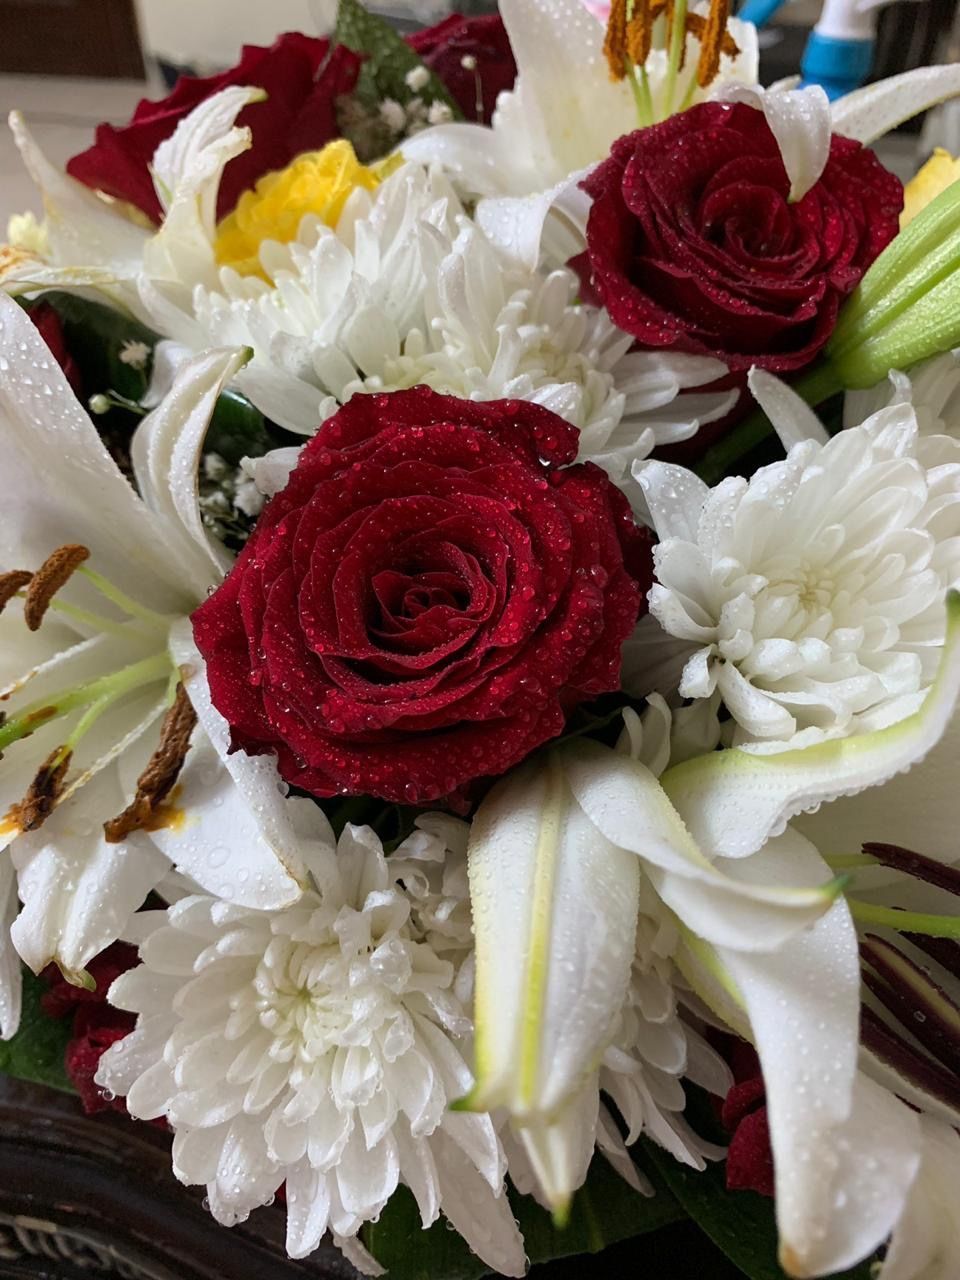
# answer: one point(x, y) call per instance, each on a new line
point(111, 687)
point(163, 768)
point(53, 574)
point(630, 38)
point(44, 791)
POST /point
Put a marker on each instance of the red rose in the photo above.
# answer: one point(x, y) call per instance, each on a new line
point(427, 598)
point(749, 1164)
point(96, 1023)
point(302, 87)
point(443, 48)
point(692, 243)
point(50, 327)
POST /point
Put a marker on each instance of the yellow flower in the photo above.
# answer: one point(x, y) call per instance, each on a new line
point(318, 182)
point(936, 175)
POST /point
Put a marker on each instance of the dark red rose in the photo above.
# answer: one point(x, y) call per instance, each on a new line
point(692, 243)
point(50, 328)
point(432, 592)
point(749, 1164)
point(302, 86)
point(96, 1024)
point(443, 48)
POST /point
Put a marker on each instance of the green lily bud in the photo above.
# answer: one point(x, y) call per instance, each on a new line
point(907, 307)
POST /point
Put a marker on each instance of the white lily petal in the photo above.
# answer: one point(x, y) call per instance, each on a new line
point(870, 112)
point(187, 170)
point(873, 1157)
point(733, 800)
point(792, 417)
point(82, 228)
point(165, 452)
point(256, 823)
point(926, 1240)
point(11, 981)
point(799, 119)
point(61, 484)
point(78, 891)
point(918, 809)
point(552, 222)
point(560, 1148)
point(842, 1165)
point(570, 107)
point(630, 810)
point(555, 913)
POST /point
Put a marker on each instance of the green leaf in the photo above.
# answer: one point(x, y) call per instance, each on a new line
point(741, 1223)
point(95, 335)
point(36, 1052)
point(388, 60)
point(237, 430)
point(605, 1210)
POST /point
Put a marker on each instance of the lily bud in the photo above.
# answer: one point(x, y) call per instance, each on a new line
point(907, 307)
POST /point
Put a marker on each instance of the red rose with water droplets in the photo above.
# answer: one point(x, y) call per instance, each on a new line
point(433, 591)
point(491, 67)
point(693, 244)
point(302, 79)
point(96, 1023)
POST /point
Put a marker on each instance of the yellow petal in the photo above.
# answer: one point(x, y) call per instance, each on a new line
point(940, 171)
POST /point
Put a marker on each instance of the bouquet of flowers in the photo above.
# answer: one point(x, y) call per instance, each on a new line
point(480, 648)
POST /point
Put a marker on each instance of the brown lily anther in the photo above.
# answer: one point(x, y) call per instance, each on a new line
point(12, 582)
point(629, 35)
point(53, 574)
point(163, 768)
point(44, 791)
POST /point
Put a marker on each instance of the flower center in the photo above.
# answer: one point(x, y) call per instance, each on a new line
point(318, 183)
point(637, 27)
point(91, 699)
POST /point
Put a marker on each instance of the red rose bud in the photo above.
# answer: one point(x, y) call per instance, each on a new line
point(473, 58)
point(50, 328)
point(426, 600)
point(693, 244)
point(302, 79)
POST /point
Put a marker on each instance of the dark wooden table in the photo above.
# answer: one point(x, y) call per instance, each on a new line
point(82, 1197)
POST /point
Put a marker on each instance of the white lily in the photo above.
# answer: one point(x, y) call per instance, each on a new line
point(845, 1151)
point(86, 693)
point(557, 853)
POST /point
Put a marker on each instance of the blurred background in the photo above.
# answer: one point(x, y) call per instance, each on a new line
point(69, 64)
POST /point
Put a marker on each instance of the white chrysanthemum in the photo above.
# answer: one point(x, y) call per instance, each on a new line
point(407, 291)
point(321, 1046)
point(812, 595)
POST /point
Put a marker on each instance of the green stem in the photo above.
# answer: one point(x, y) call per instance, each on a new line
point(905, 921)
point(121, 599)
point(109, 687)
point(817, 385)
point(642, 96)
point(678, 36)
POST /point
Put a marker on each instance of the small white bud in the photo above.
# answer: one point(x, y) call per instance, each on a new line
point(417, 78)
point(468, 62)
point(99, 404)
point(135, 354)
point(393, 115)
point(439, 113)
